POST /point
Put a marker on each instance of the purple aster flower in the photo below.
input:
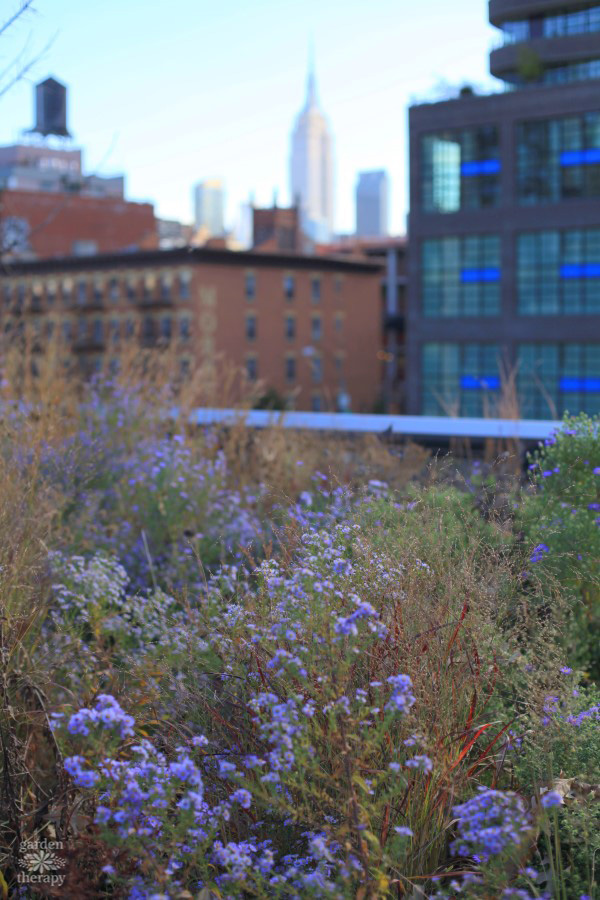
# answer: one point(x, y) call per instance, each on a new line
point(550, 799)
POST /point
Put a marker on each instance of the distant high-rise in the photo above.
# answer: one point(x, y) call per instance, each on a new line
point(311, 167)
point(372, 204)
point(209, 203)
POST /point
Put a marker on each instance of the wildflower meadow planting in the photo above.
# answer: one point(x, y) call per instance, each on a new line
point(239, 664)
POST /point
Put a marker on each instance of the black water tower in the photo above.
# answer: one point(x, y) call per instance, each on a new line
point(51, 108)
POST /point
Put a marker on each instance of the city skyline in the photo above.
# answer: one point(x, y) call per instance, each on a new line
point(219, 105)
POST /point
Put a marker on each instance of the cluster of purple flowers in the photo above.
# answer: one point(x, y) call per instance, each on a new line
point(490, 823)
point(106, 714)
point(348, 625)
point(587, 715)
point(538, 552)
point(401, 698)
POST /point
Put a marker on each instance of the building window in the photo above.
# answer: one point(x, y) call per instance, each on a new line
point(460, 379)
point(461, 276)
point(185, 279)
point(583, 21)
point(97, 331)
point(67, 330)
point(338, 322)
point(571, 72)
point(81, 292)
point(460, 170)
point(558, 159)
point(114, 366)
point(67, 291)
point(558, 273)
point(251, 328)
point(289, 286)
point(131, 288)
point(166, 328)
point(113, 288)
point(515, 32)
point(129, 328)
point(184, 328)
point(250, 285)
point(82, 329)
point(98, 290)
point(148, 328)
point(49, 330)
point(290, 328)
point(315, 289)
point(21, 295)
point(85, 248)
point(7, 295)
point(316, 403)
point(115, 330)
point(337, 283)
point(36, 296)
point(166, 282)
point(316, 364)
point(149, 287)
point(185, 366)
point(555, 378)
point(290, 369)
point(316, 330)
point(252, 368)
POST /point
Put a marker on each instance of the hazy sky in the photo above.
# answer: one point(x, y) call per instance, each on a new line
point(173, 92)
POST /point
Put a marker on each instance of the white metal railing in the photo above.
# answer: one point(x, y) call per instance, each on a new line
point(411, 426)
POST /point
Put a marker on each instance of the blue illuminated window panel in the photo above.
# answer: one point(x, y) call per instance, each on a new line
point(475, 276)
point(485, 383)
point(580, 270)
point(588, 157)
point(481, 167)
point(580, 385)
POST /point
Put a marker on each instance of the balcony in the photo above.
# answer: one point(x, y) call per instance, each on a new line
point(550, 51)
point(154, 338)
point(156, 300)
point(88, 343)
point(501, 11)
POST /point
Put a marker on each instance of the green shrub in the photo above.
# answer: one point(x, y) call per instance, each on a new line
point(560, 518)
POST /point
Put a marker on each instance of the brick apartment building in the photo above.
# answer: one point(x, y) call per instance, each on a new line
point(50, 207)
point(41, 224)
point(391, 254)
point(277, 228)
point(307, 327)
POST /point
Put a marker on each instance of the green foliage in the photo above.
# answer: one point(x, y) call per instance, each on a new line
point(560, 516)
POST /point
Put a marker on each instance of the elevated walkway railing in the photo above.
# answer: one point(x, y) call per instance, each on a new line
point(409, 426)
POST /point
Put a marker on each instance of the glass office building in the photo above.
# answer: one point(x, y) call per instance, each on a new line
point(504, 226)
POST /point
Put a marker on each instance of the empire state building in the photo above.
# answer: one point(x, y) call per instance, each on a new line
point(311, 167)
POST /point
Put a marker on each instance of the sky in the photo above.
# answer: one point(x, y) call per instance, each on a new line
point(171, 93)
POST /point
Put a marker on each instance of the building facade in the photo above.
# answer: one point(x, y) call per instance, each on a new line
point(209, 207)
point(277, 228)
point(391, 254)
point(504, 226)
point(372, 204)
point(40, 224)
point(311, 167)
point(306, 327)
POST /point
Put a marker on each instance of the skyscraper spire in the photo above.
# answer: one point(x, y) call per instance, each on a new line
point(311, 85)
point(311, 163)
